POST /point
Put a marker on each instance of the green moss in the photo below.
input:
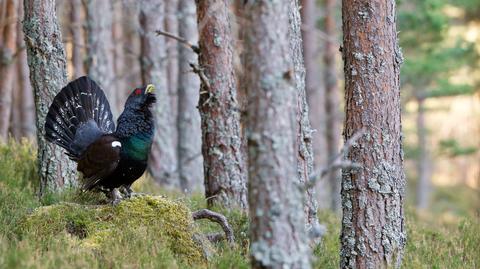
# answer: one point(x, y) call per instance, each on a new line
point(143, 222)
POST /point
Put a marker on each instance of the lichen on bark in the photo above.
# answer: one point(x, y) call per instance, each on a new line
point(304, 131)
point(224, 161)
point(373, 232)
point(276, 195)
point(47, 63)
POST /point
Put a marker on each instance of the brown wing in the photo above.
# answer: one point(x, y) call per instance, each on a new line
point(99, 160)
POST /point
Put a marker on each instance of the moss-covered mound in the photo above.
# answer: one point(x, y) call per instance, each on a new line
point(138, 225)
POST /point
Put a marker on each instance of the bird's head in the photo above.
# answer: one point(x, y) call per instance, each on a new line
point(141, 98)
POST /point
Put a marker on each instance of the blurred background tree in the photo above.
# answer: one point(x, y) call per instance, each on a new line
point(434, 56)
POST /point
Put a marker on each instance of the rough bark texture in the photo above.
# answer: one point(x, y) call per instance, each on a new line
point(162, 161)
point(100, 49)
point(47, 62)
point(8, 48)
point(423, 163)
point(277, 232)
point(373, 231)
point(190, 161)
point(315, 94)
point(224, 164)
point(304, 130)
point(332, 104)
point(78, 40)
point(238, 30)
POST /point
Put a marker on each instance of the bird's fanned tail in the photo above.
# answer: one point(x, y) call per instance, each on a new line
point(79, 114)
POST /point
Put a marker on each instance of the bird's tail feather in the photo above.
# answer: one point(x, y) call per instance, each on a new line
point(79, 114)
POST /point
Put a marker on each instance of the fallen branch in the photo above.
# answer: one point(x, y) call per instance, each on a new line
point(182, 40)
point(218, 218)
point(337, 162)
point(215, 237)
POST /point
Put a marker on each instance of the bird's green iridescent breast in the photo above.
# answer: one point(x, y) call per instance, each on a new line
point(137, 147)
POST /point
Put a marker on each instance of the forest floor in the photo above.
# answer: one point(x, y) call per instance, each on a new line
point(38, 233)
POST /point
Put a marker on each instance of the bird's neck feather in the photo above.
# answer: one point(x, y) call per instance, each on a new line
point(136, 129)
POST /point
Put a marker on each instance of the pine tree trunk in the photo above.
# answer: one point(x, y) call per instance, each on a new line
point(190, 161)
point(78, 41)
point(332, 104)
point(47, 62)
point(14, 128)
point(162, 161)
point(315, 93)
point(8, 47)
point(224, 163)
point(127, 48)
point(277, 232)
point(27, 105)
point(423, 169)
point(373, 226)
point(304, 131)
point(121, 65)
point(100, 49)
point(171, 25)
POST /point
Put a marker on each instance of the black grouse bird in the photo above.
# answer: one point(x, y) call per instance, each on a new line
point(80, 121)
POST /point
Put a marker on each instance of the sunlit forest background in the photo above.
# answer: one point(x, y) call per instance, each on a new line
point(440, 91)
point(440, 79)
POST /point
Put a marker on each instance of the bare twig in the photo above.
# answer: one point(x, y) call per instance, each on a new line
point(199, 71)
point(218, 218)
point(337, 162)
point(182, 40)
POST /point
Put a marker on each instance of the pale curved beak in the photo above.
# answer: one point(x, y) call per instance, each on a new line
point(150, 88)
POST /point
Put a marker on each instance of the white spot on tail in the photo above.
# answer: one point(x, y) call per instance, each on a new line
point(116, 144)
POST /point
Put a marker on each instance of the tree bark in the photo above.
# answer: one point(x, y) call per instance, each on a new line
point(162, 161)
point(8, 48)
point(373, 231)
point(332, 104)
point(190, 161)
point(27, 105)
point(127, 48)
point(100, 49)
point(224, 163)
point(47, 62)
point(423, 169)
point(78, 41)
point(121, 65)
point(277, 232)
point(14, 127)
point(171, 26)
point(315, 93)
point(304, 130)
